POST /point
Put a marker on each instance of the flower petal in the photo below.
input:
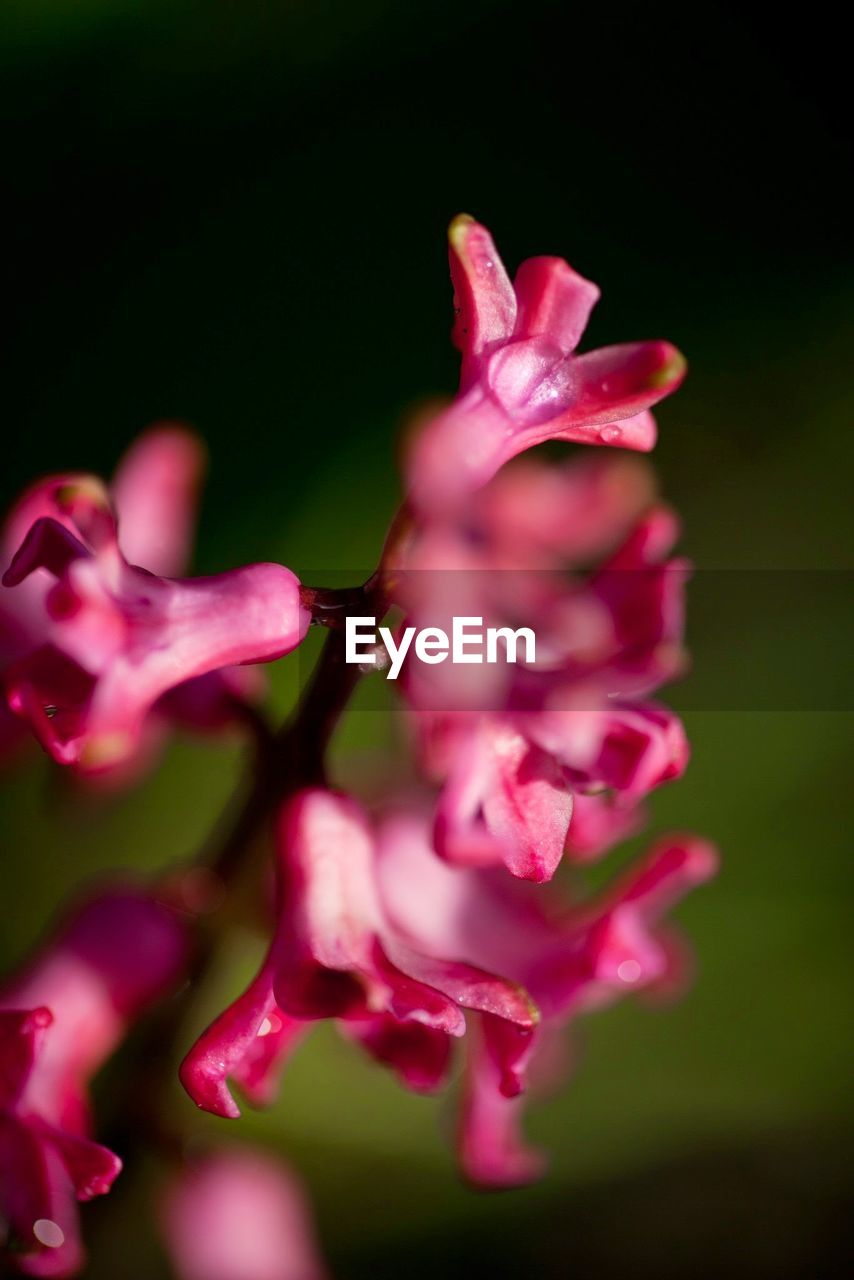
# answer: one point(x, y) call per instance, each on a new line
point(239, 1214)
point(248, 1042)
point(491, 1150)
point(554, 302)
point(419, 1055)
point(37, 1201)
point(484, 301)
point(155, 490)
point(92, 1168)
point(616, 384)
point(21, 1034)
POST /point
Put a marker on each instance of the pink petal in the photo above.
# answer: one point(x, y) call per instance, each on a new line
point(21, 1034)
point(467, 986)
point(554, 301)
point(529, 808)
point(92, 1168)
point(249, 1041)
point(484, 300)
point(51, 693)
point(598, 824)
point(505, 796)
point(47, 545)
point(133, 945)
point(618, 947)
point(615, 384)
point(419, 1055)
point(37, 1201)
point(491, 1149)
point(179, 630)
point(330, 947)
point(238, 1214)
point(155, 490)
point(674, 866)
point(574, 512)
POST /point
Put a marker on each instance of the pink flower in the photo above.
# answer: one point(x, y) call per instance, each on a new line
point(539, 515)
point(514, 745)
point(521, 381)
point(413, 956)
point(59, 1020)
point(336, 954)
point(569, 958)
point(102, 641)
point(239, 1214)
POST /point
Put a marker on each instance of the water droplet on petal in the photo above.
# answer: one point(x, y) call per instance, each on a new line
point(265, 1028)
point(48, 1233)
point(610, 435)
point(628, 971)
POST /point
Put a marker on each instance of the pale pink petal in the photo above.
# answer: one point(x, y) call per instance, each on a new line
point(554, 301)
point(573, 512)
point(238, 1214)
point(155, 491)
point(484, 301)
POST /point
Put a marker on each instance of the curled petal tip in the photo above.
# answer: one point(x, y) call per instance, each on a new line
point(670, 368)
point(87, 488)
point(458, 230)
point(208, 1090)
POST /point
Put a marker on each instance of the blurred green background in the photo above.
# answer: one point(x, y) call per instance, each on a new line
point(233, 214)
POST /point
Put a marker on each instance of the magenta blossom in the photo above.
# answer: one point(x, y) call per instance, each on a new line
point(569, 958)
point(335, 954)
point(239, 1214)
point(59, 1020)
point(413, 956)
point(514, 745)
point(522, 381)
point(432, 930)
point(103, 640)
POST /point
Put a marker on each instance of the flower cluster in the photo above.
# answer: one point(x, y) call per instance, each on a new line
point(101, 643)
point(60, 1019)
point(447, 919)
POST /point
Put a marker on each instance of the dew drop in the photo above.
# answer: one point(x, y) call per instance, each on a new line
point(628, 971)
point(610, 435)
point(265, 1028)
point(48, 1233)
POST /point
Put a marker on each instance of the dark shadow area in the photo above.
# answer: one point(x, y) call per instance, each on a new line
point(780, 1211)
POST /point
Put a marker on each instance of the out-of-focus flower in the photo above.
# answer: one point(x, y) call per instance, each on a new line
point(521, 381)
point(96, 643)
point(60, 1018)
point(513, 743)
point(237, 1213)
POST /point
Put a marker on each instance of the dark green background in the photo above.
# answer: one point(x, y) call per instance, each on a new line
point(233, 213)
